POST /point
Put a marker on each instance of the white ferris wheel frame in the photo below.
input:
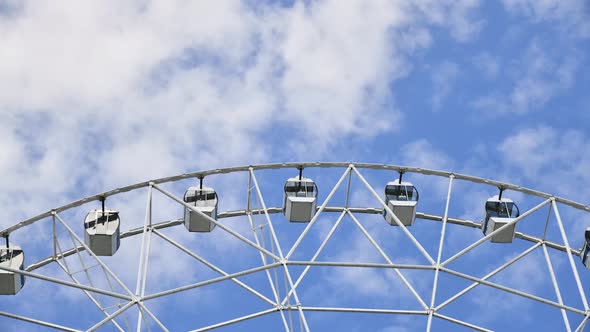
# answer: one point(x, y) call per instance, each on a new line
point(276, 258)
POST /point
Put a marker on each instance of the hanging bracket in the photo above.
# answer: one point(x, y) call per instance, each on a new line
point(102, 199)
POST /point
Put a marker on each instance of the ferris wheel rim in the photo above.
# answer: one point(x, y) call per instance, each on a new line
point(549, 200)
point(246, 168)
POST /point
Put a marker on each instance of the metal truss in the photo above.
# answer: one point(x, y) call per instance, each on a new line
point(276, 263)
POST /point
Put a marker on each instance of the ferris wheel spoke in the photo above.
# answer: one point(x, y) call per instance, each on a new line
point(283, 260)
point(236, 320)
point(496, 231)
point(395, 218)
point(142, 254)
point(569, 256)
point(213, 267)
point(318, 212)
point(389, 261)
point(218, 224)
point(460, 322)
point(513, 291)
point(38, 322)
point(94, 300)
point(487, 276)
point(439, 255)
point(111, 316)
point(315, 255)
point(98, 260)
point(556, 286)
point(287, 325)
point(143, 308)
point(583, 323)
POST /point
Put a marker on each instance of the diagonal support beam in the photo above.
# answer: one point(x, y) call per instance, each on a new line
point(66, 283)
point(556, 287)
point(111, 316)
point(395, 218)
point(569, 256)
point(317, 214)
point(384, 255)
point(513, 291)
point(98, 260)
point(489, 236)
point(315, 256)
point(209, 282)
point(487, 276)
point(142, 308)
point(583, 323)
point(37, 322)
point(213, 267)
point(278, 246)
point(462, 323)
point(218, 224)
point(439, 256)
point(236, 320)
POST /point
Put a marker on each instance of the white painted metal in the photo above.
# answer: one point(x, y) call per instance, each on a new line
point(556, 287)
point(309, 186)
point(496, 231)
point(10, 282)
point(439, 256)
point(569, 256)
point(386, 257)
point(395, 218)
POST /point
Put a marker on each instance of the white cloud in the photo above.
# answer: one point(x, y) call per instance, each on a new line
point(571, 15)
point(421, 153)
point(555, 159)
point(487, 64)
point(443, 79)
point(456, 15)
point(539, 76)
point(103, 94)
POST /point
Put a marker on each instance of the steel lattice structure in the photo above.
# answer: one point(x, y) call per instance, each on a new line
point(275, 256)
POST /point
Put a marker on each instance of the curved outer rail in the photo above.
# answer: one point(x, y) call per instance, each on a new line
point(396, 168)
point(229, 214)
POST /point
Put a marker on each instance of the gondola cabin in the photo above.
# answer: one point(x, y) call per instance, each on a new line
point(402, 199)
point(102, 232)
point(10, 282)
point(300, 199)
point(205, 200)
point(499, 212)
point(586, 249)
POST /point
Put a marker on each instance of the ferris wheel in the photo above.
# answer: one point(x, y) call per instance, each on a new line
point(301, 247)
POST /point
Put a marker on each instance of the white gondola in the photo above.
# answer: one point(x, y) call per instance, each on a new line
point(203, 199)
point(499, 212)
point(402, 199)
point(10, 282)
point(585, 252)
point(300, 199)
point(102, 232)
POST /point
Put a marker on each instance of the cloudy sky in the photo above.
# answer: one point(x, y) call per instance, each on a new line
point(96, 95)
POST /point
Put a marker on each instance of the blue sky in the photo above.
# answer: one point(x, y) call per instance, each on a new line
point(98, 95)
